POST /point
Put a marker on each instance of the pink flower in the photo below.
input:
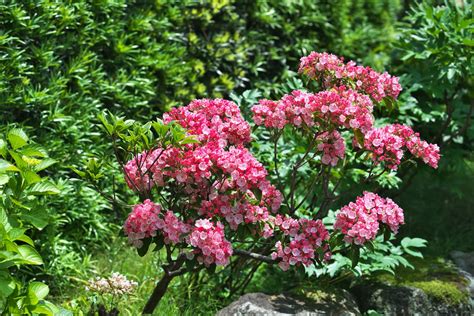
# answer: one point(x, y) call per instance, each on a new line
point(388, 144)
point(212, 120)
point(143, 222)
point(332, 146)
point(306, 237)
point(359, 220)
point(332, 71)
point(209, 239)
point(340, 107)
point(146, 220)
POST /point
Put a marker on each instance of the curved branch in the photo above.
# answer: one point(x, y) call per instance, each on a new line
point(255, 256)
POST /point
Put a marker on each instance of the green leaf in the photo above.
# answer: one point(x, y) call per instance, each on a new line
point(33, 151)
point(413, 242)
point(468, 42)
point(108, 127)
point(26, 239)
point(41, 309)
point(451, 73)
point(4, 179)
point(37, 218)
point(44, 188)
point(389, 103)
point(3, 148)
point(45, 163)
point(189, 140)
point(7, 166)
point(19, 204)
point(7, 285)
point(359, 137)
point(408, 243)
point(80, 173)
point(144, 248)
point(37, 291)
point(30, 255)
point(17, 138)
point(30, 176)
point(355, 255)
point(386, 234)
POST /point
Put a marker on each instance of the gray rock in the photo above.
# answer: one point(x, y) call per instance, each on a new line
point(465, 263)
point(392, 300)
point(403, 300)
point(464, 260)
point(259, 304)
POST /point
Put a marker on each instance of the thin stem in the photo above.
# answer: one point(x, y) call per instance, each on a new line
point(275, 162)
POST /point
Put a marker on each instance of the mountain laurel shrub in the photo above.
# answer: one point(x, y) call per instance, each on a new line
point(206, 199)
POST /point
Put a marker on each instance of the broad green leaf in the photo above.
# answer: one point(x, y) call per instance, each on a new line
point(16, 232)
point(41, 309)
point(10, 262)
point(37, 291)
point(7, 285)
point(20, 163)
point(30, 255)
point(57, 310)
point(17, 138)
point(189, 140)
point(26, 239)
point(30, 176)
point(37, 218)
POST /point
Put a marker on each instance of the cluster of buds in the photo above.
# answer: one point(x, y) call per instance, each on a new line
point(115, 285)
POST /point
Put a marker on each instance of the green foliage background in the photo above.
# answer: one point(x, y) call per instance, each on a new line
point(62, 63)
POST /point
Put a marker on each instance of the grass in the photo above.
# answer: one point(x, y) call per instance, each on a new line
point(179, 300)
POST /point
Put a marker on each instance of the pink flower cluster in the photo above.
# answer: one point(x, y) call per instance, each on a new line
point(333, 147)
point(142, 222)
point(387, 144)
point(339, 107)
point(332, 70)
point(145, 220)
point(150, 168)
point(211, 120)
point(211, 243)
point(218, 178)
point(359, 220)
point(306, 238)
point(173, 228)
